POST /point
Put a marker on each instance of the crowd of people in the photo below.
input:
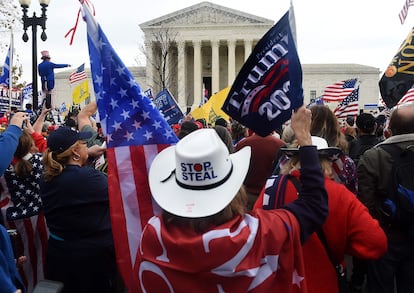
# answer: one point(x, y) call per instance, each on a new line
point(291, 212)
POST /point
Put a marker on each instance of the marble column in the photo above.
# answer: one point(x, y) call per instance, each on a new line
point(231, 46)
point(198, 84)
point(247, 48)
point(215, 69)
point(181, 99)
point(149, 67)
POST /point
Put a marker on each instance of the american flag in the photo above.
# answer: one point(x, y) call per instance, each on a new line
point(136, 132)
point(404, 11)
point(349, 106)
point(339, 90)
point(78, 75)
point(408, 97)
point(33, 238)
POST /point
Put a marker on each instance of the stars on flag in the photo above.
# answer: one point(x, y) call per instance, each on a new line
point(349, 106)
point(78, 75)
point(339, 90)
point(24, 192)
point(296, 278)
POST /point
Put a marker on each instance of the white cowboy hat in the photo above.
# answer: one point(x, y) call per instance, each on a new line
point(332, 153)
point(197, 177)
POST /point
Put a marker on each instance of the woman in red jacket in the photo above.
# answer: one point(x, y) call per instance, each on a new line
point(349, 228)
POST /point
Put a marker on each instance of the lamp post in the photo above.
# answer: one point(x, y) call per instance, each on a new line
point(34, 21)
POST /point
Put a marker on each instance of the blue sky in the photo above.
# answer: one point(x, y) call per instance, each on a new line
point(364, 32)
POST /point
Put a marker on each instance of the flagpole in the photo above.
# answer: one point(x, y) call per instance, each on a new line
point(11, 49)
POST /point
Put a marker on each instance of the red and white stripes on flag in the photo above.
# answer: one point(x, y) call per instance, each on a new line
point(78, 75)
point(349, 106)
point(34, 235)
point(404, 10)
point(407, 98)
point(339, 90)
point(131, 202)
point(132, 145)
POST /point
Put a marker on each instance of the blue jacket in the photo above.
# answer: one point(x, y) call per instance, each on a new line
point(10, 279)
point(9, 141)
point(47, 75)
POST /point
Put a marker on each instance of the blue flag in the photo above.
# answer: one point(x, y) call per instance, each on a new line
point(5, 74)
point(168, 107)
point(269, 85)
point(316, 101)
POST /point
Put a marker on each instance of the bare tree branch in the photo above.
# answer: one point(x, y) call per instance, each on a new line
point(164, 41)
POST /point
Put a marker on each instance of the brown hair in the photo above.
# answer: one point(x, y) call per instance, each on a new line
point(225, 136)
point(23, 167)
point(54, 162)
point(237, 207)
point(325, 124)
point(238, 131)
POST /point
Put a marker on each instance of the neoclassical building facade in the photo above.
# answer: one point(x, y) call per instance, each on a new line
point(208, 44)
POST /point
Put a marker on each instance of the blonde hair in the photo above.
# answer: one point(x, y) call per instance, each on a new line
point(293, 163)
point(54, 161)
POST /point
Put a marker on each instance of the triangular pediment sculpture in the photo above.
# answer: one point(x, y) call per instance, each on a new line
point(205, 13)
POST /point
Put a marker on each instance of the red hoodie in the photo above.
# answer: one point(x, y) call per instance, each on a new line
point(349, 229)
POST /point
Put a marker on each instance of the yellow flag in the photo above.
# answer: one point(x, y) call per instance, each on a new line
point(80, 93)
point(211, 110)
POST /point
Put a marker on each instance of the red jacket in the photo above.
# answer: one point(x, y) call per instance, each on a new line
point(349, 230)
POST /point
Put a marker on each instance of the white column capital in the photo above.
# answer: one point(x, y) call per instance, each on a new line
point(196, 43)
point(231, 42)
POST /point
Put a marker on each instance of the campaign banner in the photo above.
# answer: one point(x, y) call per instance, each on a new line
point(398, 78)
point(168, 107)
point(269, 85)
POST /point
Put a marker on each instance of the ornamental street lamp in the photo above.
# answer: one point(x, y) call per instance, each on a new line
point(34, 21)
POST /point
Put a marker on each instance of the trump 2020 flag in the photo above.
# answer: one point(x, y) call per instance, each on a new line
point(168, 107)
point(136, 132)
point(398, 78)
point(269, 85)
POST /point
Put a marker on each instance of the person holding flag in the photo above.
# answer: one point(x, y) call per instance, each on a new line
point(269, 84)
point(198, 185)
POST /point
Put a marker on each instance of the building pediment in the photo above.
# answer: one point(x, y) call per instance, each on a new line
point(205, 14)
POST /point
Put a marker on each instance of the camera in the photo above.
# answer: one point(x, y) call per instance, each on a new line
point(12, 114)
point(17, 243)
